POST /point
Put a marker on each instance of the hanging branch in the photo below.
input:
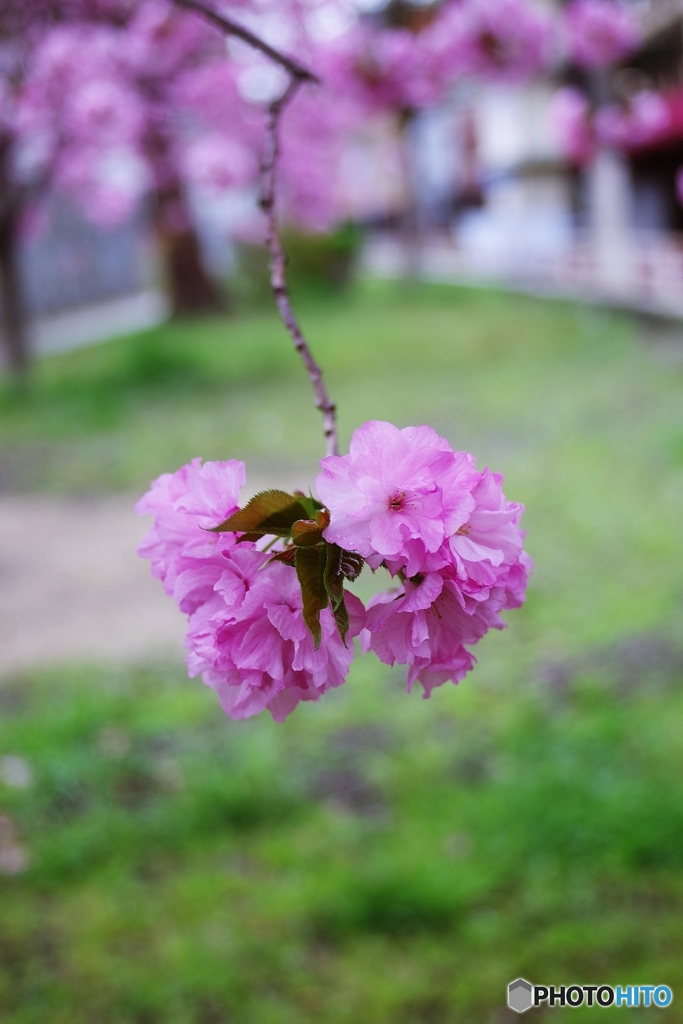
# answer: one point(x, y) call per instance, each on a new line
point(278, 280)
point(233, 28)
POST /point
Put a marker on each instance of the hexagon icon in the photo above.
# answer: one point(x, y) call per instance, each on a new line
point(520, 995)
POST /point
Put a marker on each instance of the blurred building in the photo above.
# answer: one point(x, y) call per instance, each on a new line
point(82, 283)
point(499, 200)
point(69, 262)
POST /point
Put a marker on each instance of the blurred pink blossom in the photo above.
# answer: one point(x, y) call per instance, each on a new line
point(495, 40)
point(572, 123)
point(216, 163)
point(645, 121)
point(599, 32)
point(379, 69)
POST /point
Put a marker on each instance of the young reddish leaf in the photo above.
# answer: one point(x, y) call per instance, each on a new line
point(307, 532)
point(271, 512)
point(334, 577)
point(351, 564)
point(341, 617)
point(288, 556)
point(310, 568)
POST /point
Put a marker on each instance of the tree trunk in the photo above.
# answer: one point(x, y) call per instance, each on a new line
point(191, 288)
point(411, 233)
point(14, 315)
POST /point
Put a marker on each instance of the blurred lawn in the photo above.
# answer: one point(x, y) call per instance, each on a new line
point(377, 859)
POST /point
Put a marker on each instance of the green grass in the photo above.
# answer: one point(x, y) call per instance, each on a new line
point(377, 859)
point(501, 374)
point(584, 421)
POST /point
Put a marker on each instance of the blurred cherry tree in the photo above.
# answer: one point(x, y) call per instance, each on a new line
point(124, 105)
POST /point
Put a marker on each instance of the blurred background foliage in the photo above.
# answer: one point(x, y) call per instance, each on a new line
point(319, 265)
point(377, 859)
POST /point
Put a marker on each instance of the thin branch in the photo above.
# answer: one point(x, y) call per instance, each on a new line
point(278, 280)
point(232, 28)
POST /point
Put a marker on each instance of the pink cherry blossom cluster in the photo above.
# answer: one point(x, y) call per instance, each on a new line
point(646, 120)
point(385, 69)
point(122, 99)
point(113, 109)
point(246, 634)
point(571, 118)
point(401, 499)
point(493, 40)
point(599, 32)
point(401, 69)
point(404, 499)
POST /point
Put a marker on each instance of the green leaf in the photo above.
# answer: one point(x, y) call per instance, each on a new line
point(310, 568)
point(307, 532)
point(270, 512)
point(341, 617)
point(334, 577)
point(311, 505)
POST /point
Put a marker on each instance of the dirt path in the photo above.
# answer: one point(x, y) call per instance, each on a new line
point(72, 587)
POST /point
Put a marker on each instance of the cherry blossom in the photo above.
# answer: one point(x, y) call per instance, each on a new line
point(397, 495)
point(185, 505)
point(249, 641)
point(405, 500)
point(421, 626)
point(247, 636)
